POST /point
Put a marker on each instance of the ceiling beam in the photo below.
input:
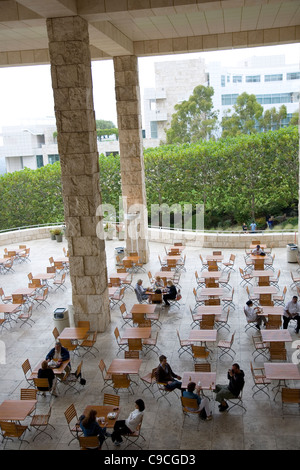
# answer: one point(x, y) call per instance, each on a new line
point(45, 8)
point(109, 39)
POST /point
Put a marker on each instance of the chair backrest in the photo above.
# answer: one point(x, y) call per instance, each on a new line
point(135, 344)
point(18, 299)
point(131, 354)
point(29, 275)
point(212, 302)
point(263, 281)
point(278, 354)
point(138, 317)
point(70, 413)
point(217, 253)
point(203, 367)
point(109, 399)
point(120, 380)
point(55, 332)
point(26, 366)
point(199, 352)
point(51, 260)
point(84, 324)
point(115, 281)
point(89, 442)
point(51, 269)
point(207, 322)
point(102, 366)
point(259, 264)
point(178, 244)
point(28, 394)
point(284, 291)
point(10, 429)
point(255, 242)
point(190, 404)
point(274, 322)
point(123, 308)
point(290, 395)
point(121, 270)
point(41, 383)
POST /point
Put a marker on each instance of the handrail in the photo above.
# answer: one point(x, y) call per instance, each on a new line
point(31, 226)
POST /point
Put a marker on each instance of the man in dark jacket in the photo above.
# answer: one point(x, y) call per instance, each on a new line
point(236, 383)
point(166, 376)
point(59, 354)
point(171, 293)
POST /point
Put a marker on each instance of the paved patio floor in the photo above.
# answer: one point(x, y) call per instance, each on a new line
point(262, 426)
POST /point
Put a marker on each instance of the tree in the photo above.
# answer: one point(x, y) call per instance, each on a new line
point(194, 119)
point(102, 124)
point(295, 119)
point(272, 119)
point(247, 113)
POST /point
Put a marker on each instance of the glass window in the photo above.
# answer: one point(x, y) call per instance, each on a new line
point(153, 127)
point(39, 161)
point(228, 100)
point(275, 98)
point(237, 79)
point(53, 158)
point(222, 80)
point(274, 78)
point(252, 78)
point(228, 78)
point(293, 76)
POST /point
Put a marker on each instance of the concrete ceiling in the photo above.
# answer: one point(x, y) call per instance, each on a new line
point(148, 27)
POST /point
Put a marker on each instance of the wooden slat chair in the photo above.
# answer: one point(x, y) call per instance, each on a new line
point(222, 321)
point(185, 345)
point(260, 381)
point(290, 396)
point(229, 265)
point(5, 298)
point(11, 430)
point(228, 300)
point(3, 323)
point(122, 382)
point(89, 443)
point(55, 333)
point(190, 407)
point(73, 380)
point(237, 401)
point(26, 317)
point(280, 299)
point(133, 437)
point(72, 421)
point(40, 423)
point(29, 394)
point(42, 299)
point(200, 280)
point(42, 384)
point(274, 322)
point(107, 380)
point(70, 345)
point(149, 380)
point(246, 278)
point(126, 317)
point(202, 367)
point(260, 348)
point(196, 318)
point(199, 352)
point(204, 265)
point(60, 283)
point(109, 399)
point(150, 344)
point(131, 354)
point(89, 345)
point(225, 347)
point(26, 367)
point(207, 322)
point(277, 352)
point(122, 343)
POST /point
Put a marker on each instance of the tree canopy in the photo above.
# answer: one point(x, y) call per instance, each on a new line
point(194, 119)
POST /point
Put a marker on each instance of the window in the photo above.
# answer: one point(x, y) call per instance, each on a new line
point(252, 78)
point(237, 79)
point(228, 78)
point(53, 158)
point(153, 127)
point(152, 105)
point(293, 76)
point(275, 98)
point(222, 80)
point(274, 78)
point(228, 100)
point(39, 161)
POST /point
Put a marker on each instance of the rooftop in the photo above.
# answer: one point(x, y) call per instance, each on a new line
point(262, 426)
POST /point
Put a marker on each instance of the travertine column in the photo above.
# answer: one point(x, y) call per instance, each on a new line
point(77, 146)
point(131, 152)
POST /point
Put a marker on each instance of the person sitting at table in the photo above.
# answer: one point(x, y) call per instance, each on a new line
point(58, 355)
point(291, 312)
point(236, 379)
point(171, 293)
point(158, 283)
point(251, 314)
point(203, 403)
point(140, 291)
point(257, 250)
point(129, 425)
point(45, 372)
point(166, 376)
point(90, 426)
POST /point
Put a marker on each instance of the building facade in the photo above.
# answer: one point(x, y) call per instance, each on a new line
point(270, 79)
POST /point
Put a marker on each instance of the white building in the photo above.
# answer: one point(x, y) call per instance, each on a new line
point(272, 81)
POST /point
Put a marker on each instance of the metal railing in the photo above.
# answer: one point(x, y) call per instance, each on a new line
point(24, 227)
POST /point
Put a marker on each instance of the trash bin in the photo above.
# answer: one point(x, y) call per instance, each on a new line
point(120, 251)
point(61, 319)
point(292, 252)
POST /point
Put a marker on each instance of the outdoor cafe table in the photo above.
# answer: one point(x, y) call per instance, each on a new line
point(212, 291)
point(44, 277)
point(102, 412)
point(25, 291)
point(16, 410)
point(252, 246)
point(63, 259)
point(137, 333)
point(73, 333)
point(270, 336)
point(134, 259)
point(148, 310)
point(211, 274)
point(269, 310)
point(172, 258)
point(264, 292)
point(178, 248)
point(202, 336)
point(261, 273)
point(125, 366)
point(281, 372)
point(57, 370)
point(9, 309)
point(214, 257)
point(207, 379)
point(209, 310)
point(166, 274)
point(121, 276)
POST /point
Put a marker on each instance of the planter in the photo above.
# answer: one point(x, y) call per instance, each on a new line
point(59, 238)
point(52, 236)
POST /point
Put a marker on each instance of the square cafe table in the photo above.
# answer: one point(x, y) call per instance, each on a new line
point(214, 257)
point(212, 291)
point(16, 410)
point(202, 336)
point(73, 333)
point(102, 412)
point(209, 310)
point(57, 370)
point(121, 276)
point(270, 336)
point(281, 372)
point(207, 379)
point(269, 310)
point(125, 366)
point(137, 333)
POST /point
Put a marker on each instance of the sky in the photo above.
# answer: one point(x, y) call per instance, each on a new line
point(26, 92)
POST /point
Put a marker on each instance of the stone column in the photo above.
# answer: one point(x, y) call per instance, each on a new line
point(131, 153)
point(77, 146)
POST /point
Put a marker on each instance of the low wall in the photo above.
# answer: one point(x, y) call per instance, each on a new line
point(205, 240)
point(25, 235)
point(223, 240)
